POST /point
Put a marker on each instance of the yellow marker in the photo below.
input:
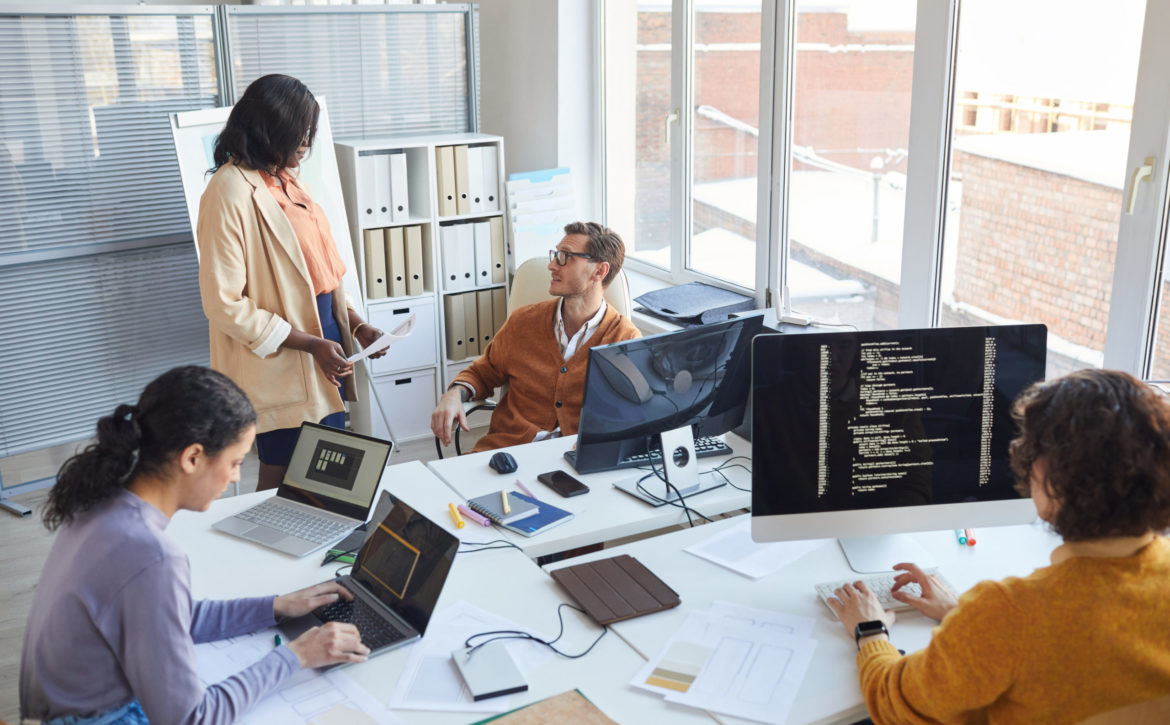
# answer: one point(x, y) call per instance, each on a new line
point(504, 503)
point(459, 524)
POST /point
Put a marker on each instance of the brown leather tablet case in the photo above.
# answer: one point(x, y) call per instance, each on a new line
point(617, 588)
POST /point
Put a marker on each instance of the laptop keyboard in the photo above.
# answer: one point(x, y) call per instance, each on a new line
point(375, 630)
point(294, 522)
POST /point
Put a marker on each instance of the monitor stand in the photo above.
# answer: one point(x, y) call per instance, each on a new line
point(873, 554)
point(680, 468)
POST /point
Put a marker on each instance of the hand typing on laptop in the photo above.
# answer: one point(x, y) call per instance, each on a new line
point(331, 643)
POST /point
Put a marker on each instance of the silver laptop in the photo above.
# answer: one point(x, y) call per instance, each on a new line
point(326, 493)
point(396, 581)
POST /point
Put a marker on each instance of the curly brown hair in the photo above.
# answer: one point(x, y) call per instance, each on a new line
point(1105, 438)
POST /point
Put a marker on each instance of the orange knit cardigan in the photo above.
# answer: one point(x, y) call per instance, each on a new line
point(545, 390)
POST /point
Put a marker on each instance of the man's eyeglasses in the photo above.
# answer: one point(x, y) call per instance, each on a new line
point(561, 257)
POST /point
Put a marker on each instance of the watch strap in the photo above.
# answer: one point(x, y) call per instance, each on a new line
point(868, 629)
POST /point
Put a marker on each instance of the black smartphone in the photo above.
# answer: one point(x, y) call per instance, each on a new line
point(563, 483)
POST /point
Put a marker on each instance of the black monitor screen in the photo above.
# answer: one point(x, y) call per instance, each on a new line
point(699, 376)
point(405, 562)
point(887, 418)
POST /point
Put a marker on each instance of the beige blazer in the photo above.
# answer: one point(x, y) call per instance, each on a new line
point(255, 288)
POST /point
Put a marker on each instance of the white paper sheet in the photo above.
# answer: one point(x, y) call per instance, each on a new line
point(735, 550)
point(309, 697)
point(733, 659)
point(386, 340)
point(731, 614)
point(753, 673)
point(430, 680)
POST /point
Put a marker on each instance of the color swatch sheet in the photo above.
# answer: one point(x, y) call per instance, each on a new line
point(734, 660)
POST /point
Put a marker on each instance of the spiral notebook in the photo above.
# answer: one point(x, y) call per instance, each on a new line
point(491, 505)
point(547, 517)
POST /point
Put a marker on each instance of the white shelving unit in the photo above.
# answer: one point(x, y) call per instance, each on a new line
point(410, 378)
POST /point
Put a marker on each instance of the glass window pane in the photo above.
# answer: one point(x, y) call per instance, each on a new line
point(637, 156)
point(725, 131)
point(1041, 132)
point(854, 65)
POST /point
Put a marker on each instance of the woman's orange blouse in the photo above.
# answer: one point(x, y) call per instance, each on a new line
point(312, 229)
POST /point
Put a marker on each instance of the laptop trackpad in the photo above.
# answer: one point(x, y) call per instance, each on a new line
point(265, 535)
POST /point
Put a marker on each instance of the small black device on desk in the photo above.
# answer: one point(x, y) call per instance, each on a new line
point(503, 463)
point(563, 483)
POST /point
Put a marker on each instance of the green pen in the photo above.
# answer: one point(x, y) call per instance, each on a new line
point(276, 640)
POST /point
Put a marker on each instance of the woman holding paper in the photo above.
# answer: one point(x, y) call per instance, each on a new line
point(270, 275)
point(1084, 636)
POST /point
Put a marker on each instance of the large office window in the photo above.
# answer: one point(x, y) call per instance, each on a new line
point(97, 271)
point(682, 90)
point(919, 163)
point(1040, 129)
point(383, 71)
point(853, 64)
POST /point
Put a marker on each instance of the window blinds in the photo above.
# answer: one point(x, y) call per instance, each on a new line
point(93, 209)
point(388, 71)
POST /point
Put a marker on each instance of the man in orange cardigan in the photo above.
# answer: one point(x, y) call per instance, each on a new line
point(542, 349)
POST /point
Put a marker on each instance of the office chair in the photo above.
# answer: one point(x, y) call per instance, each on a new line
point(529, 286)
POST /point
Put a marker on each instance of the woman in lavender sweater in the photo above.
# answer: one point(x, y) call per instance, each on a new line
point(113, 626)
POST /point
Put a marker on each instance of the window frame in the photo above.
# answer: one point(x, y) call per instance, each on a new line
point(1141, 246)
point(682, 155)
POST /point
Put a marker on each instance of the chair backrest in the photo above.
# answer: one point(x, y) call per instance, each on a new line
point(1149, 712)
point(530, 284)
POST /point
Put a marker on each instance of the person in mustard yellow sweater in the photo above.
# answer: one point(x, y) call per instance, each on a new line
point(1083, 636)
point(542, 350)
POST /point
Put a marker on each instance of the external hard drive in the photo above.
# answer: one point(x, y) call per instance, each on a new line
point(489, 671)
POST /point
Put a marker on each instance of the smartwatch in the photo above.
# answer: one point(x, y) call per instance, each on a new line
point(866, 629)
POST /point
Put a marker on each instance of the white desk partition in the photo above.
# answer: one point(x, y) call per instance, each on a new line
point(603, 514)
point(504, 582)
point(830, 691)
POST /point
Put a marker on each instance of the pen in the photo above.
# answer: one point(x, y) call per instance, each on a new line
point(961, 537)
point(477, 518)
point(504, 503)
point(455, 516)
point(970, 536)
point(523, 488)
point(276, 640)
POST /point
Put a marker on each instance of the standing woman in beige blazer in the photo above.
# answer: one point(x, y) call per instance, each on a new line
point(280, 323)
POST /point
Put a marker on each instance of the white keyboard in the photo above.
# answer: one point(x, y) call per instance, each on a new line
point(880, 585)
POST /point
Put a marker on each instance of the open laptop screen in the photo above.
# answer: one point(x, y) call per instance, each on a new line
point(335, 470)
point(405, 562)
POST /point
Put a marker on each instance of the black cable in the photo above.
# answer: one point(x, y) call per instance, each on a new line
point(520, 634)
point(728, 464)
point(337, 573)
point(488, 546)
point(680, 503)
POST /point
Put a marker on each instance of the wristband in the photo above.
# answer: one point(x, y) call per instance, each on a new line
point(358, 326)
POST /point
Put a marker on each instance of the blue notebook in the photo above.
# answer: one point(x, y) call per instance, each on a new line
point(547, 517)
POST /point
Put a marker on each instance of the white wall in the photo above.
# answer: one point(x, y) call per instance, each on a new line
point(539, 88)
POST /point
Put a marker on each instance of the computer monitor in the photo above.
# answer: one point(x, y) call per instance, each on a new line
point(637, 389)
point(860, 435)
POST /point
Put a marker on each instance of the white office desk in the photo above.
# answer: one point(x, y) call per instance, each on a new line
point(605, 512)
point(504, 582)
point(830, 691)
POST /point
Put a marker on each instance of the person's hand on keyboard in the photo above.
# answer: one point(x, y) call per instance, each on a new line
point(303, 601)
point(936, 599)
point(855, 603)
point(331, 643)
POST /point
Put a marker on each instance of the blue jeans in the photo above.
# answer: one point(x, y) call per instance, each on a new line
point(129, 714)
